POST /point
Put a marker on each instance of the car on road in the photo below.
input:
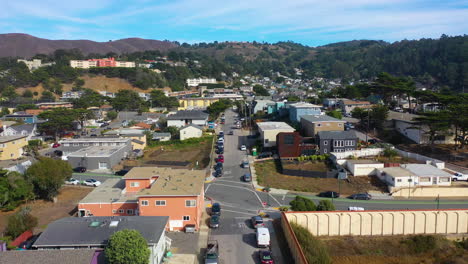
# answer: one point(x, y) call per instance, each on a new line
point(329, 194)
point(72, 181)
point(212, 252)
point(220, 159)
point(263, 237)
point(360, 196)
point(243, 148)
point(216, 209)
point(218, 173)
point(121, 172)
point(56, 145)
point(459, 177)
point(214, 221)
point(220, 151)
point(80, 169)
point(231, 133)
point(219, 165)
point(221, 140)
point(265, 257)
point(245, 164)
point(247, 177)
point(257, 221)
point(221, 133)
point(92, 182)
point(93, 135)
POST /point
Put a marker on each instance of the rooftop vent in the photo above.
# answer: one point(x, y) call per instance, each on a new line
point(114, 224)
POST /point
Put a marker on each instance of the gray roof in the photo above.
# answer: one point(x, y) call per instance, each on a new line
point(5, 139)
point(320, 118)
point(78, 231)
point(191, 125)
point(90, 140)
point(337, 134)
point(76, 256)
point(188, 114)
point(425, 170)
point(111, 189)
point(125, 132)
point(159, 134)
point(29, 128)
point(96, 151)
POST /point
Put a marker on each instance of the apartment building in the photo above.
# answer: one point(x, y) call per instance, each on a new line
point(150, 191)
point(269, 131)
point(11, 147)
point(35, 64)
point(196, 102)
point(106, 62)
point(197, 81)
point(312, 124)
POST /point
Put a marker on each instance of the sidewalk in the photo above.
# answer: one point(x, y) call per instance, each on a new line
point(204, 234)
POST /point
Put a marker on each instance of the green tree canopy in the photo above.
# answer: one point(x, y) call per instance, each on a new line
point(20, 222)
point(127, 246)
point(302, 204)
point(128, 100)
point(159, 99)
point(14, 189)
point(89, 98)
point(218, 107)
point(325, 205)
point(58, 120)
point(335, 113)
point(260, 90)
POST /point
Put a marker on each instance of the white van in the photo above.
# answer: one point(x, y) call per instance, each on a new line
point(354, 208)
point(263, 237)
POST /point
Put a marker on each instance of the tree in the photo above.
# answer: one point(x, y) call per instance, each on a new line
point(20, 222)
point(128, 100)
point(260, 90)
point(218, 107)
point(58, 120)
point(47, 96)
point(378, 116)
point(82, 115)
point(111, 115)
point(325, 205)
point(23, 107)
point(48, 175)
point(433, 124)
point(127, 246)
point(335, 113)
point(4, 111)
point(173, 130)
point(14, 189)
point(89, 98)
point(28, 94)
point(159, 99)
point(302, 204)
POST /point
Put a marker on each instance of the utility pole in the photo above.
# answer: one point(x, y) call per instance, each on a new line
point(438, 201)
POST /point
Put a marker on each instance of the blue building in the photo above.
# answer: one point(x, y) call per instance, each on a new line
point(26, 118)
point(275, 107)
point(300, 109)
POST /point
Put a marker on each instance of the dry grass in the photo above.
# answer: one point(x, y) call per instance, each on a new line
point(268, 175)
point(307, 165)
point(442, 152)
point(47, 212)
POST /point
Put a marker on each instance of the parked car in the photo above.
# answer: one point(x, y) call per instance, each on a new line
point(58, 153)
point(264, 155)
point(243, 148)
point(329, 194)
point(221, 140)
point(216, 209)
point(257, 221)
point(245, 164)
point(80, 169)
point(93, 135)
point(231, 133)
point(93, 130)
point(221, 133)
point(72, 181)
point(247, 177)
point(220, 151)
point(56, 145)
point(214, 221)
point(266, 257)
point(76, 136)
point(459, 177)
point(372, 141)
point(212, 252)
point(220, 158)
point(361, 196)
point(354, 208)
point(218, 173)
point(121, 172)
point(219, 165)
point(92, 182)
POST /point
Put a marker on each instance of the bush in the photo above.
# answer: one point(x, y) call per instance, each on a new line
point(127, 246)
point(286, 208)
point(35, 143)
point(302, 204)
point(20, 222)
point(325, 205)
point(314, 250)
point(390, 153)
point(421, 243)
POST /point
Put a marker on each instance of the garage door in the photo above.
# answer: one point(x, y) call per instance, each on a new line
point(175, 224)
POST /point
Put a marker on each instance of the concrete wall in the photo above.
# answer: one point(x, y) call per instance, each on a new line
point(432, 191)
point(358, 153)
point(364, 169)
point(377, 223)
point(295, 248)
point(434, 162)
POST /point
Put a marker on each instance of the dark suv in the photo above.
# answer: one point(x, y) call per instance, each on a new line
point(361, 196)
point(216, 209)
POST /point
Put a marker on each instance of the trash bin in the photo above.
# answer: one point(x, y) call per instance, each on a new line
point(190, 229)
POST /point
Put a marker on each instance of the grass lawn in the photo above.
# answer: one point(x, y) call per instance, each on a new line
point(268, 175)
point(47, 212)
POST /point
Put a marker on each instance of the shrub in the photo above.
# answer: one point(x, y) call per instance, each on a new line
point(390, 153)
point(286, 208)
point(325, 205)
point(421, 243)
point(314, 250)
point(35, 143)
point(127, 246)
point(302, 204)
point(20, 222)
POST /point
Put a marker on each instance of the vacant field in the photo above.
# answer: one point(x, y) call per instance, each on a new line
point(393, 250)
point(443, 152)
point(47, 212)
point(307, 165)
point(268, 175)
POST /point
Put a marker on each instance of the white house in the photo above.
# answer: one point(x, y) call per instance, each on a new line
point(190, 131)
point(28, 130)
point(161, 136)
point(269, 131)
point(428, 174)
point(363, 167)
point(396, 177)
point(196, 82)
point(187, 117)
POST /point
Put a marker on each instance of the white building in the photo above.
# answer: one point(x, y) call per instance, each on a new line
point(125, 64)
point(414, 175)
point(35, 64)
point(187, 117)
point(269, 131)
point(82, 64)
point(363, 167)
point(190, 131)
point(197, 81)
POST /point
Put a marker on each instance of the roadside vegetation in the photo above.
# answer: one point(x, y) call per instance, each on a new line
point(314, 249)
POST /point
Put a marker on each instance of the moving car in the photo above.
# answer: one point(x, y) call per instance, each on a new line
point(214, 221)
point(361, 196)
point(459, 177)
point(92, 182)
point(247, 177)
point(265, 257)
point(216, 209)
point(80, 169)
point(243, 148)
point(245, 164)
point(257, 221)
point(329, 194)
point(263, 237)
point(354, 208)
point(72, 181)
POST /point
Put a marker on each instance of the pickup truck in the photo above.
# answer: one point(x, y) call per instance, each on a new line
point(212, 252)
point(459, 177)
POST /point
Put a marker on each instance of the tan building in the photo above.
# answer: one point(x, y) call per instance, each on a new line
point(137, 136)
point(269, 131)
point(312, 124)
point(11, 147)
point(347, 105)
point(196, 103)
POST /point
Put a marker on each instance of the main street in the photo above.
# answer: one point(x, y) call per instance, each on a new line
point(240, 201)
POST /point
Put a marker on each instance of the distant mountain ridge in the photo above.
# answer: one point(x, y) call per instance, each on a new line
point(26, 46)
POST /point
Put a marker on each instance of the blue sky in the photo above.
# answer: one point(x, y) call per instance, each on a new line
point(310, 22)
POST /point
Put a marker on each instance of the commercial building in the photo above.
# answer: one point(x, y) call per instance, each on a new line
point(75, 233)
point(11, 147)
point(71, 145)
point(102, 158)
point(269, 131)
point(301, 109)
point(336, 141)
point(197, 81)
point(190, 131)
point(187, 117)
point(312, 124)
point(106, 62)
point(150, 191)
point(261, 106)
point(196, 102)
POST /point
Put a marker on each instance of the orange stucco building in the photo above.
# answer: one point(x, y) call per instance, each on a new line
point(150, 191)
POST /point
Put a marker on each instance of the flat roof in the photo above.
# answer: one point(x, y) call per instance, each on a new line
point(96, 230)
point(397, 172)
point(96, 151)
point(125, 131)
point(110, 190)
point(274, 125)
point(367, 161)
point(304, 105)
point(407, 117)
point(95, 139)
point(75, 256)
point(170, 181)
point(320, 118)
point(425, 170)
point(5, 139)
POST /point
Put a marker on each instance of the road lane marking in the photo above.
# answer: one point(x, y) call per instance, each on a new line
point(206, 190)
point(274, 199)
point(232, 211)
point(258, 197)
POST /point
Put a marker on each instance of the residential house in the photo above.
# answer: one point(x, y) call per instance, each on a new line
point(137, 136)
point(363, 167)
point(269, 131)
point(312, 124)
point(261, 105)
point(332, 102)
point(22, 116)
point(292, 144)
point(347, 106)
point(102, 158)
point(428, 174)
point(197, 81)
point(187, 117)
point(397, 177)
point(190, 131)
point(76, 233)
point(191, 103)
point(28, 130)
point(52, 105)
point(34, 112)
point(336, 141)
point(150, 191)
point(297, 110)
point(142, 125)
point(161, 136)
point(146, 117)
point(11, 147)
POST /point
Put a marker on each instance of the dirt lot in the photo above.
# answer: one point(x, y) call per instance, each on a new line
point(446, 153)
point(191, 153)
point(391, 250)
point(47, 212)
point(274, 179)
point(309, 165)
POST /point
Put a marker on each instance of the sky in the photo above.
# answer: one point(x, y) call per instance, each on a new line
point(309, 22)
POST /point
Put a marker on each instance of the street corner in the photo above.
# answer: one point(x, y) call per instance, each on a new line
point(259, 189)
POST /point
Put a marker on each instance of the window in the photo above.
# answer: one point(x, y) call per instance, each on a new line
point(129, 211)
point(349, 143)
point(76, 144)
point(338, 143)
point(266, 140)
point(424, 179)
point(349, 149)
point(102, 165)
point(325, 142)
point(186, 217)
point(190, 203)
point(121, 211)
point(66, 144)
point(340, 124)
point(444, 179)
point(325, 150)
point(134, 184)
point(144, 203)
point(398, 180)
point(160, 203)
